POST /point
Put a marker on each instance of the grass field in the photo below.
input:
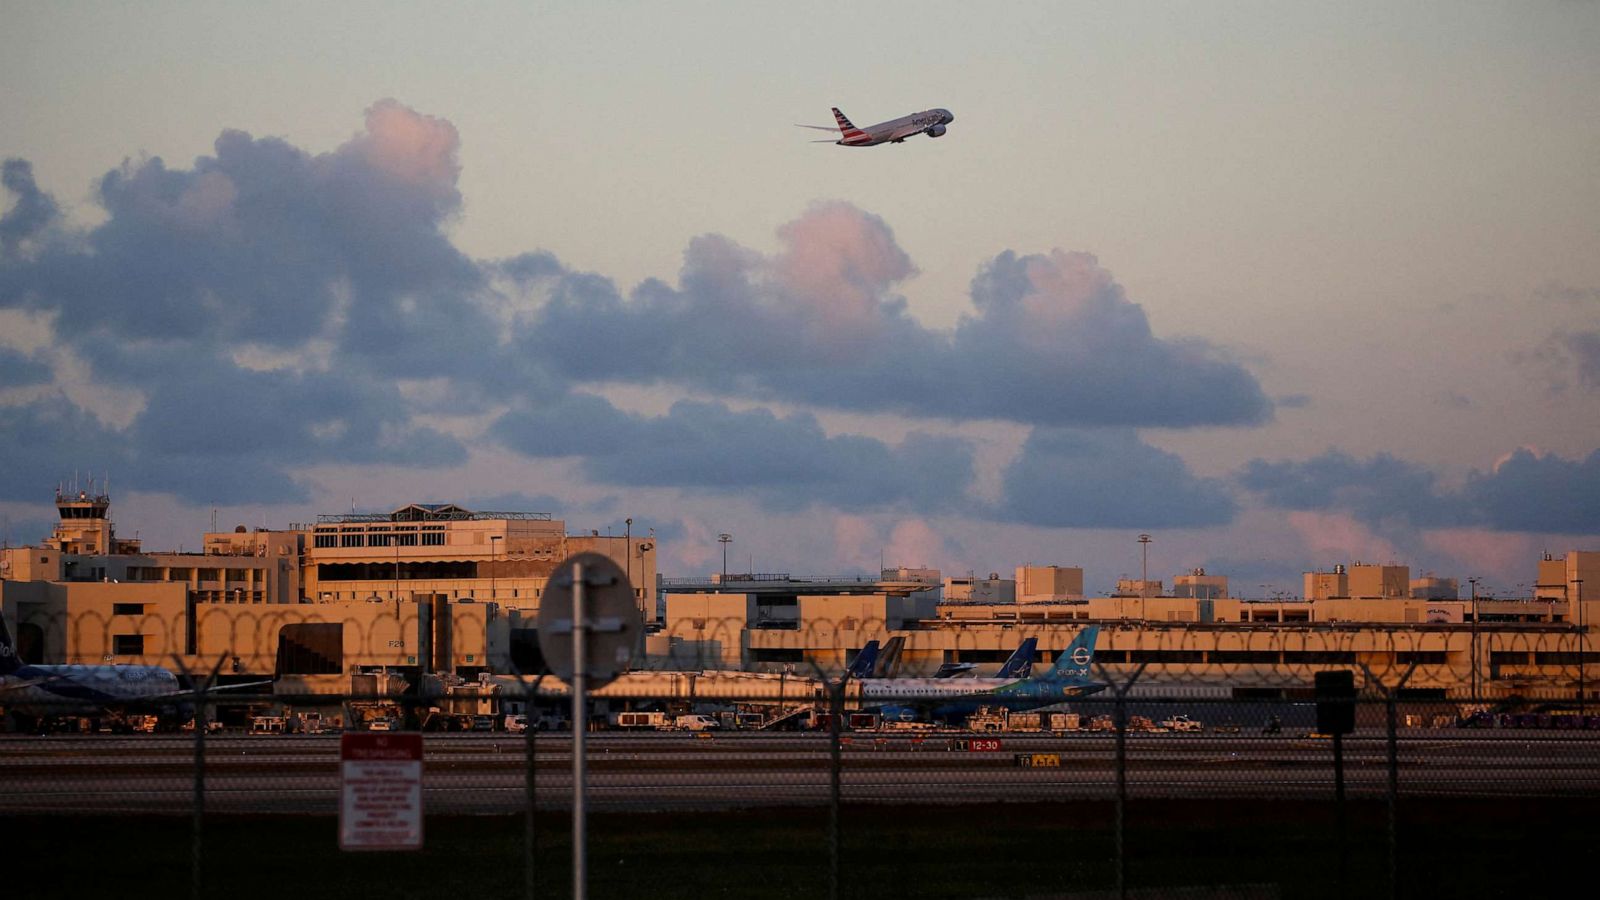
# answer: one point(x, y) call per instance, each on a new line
point(1447, 849)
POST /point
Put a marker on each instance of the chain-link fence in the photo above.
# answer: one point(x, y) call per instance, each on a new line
point(819, 793)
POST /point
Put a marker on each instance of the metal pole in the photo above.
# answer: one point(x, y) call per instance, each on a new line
point(1394, 796)
point(530, 786)
point(835, 712)
point(199, 802)
point(1474, 583)
point(494, 559)
point(1122, 794)
point(1582, 639)
point(1339, 808)
point(580, 722)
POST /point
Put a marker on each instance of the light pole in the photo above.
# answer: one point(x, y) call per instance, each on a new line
point(1144, 572)
point(494, 558)
point(724, 539)
point(1474, 656)
point(1582, 639)
point(627, 549)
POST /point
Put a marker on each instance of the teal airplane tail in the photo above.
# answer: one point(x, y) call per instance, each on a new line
point(1072, 664)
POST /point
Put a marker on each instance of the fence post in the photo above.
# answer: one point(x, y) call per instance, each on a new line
point(198, 803)
point(530, 787)
point(1393, 792)
point(1120, 718)
point(835, 713)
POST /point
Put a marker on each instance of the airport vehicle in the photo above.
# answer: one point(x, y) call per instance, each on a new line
point(516, 724)
point(930, 122)
point(696, 722)
point(953, 699)
point(641, 720)
point(113, 692)
point(1182, 723)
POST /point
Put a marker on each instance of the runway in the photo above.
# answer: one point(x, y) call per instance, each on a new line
point(484, 773)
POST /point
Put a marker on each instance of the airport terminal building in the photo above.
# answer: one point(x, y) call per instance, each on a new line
point(443, 590)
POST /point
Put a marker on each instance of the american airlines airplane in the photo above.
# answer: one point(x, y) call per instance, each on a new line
point(44, 692)
point(931, 122)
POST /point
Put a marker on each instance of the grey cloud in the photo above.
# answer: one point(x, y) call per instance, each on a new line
point(1548, 494)
point(46, 440)
point(31, 211)
point(1053, 339)
point(335, 272)
point(1525, 492)
point(1375, 490)
point(789, 462)
point(1107, 479)
point(18, 369)
point(1584, 349)
point(264, 245)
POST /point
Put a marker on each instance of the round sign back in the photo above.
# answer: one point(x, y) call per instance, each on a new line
point(612, 624)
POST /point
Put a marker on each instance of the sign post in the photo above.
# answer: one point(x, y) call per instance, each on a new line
point(380, 779)
point(589, 598)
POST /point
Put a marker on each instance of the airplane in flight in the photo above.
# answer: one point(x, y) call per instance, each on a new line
point(930, 122)
point(948, 699)
point(114, 691)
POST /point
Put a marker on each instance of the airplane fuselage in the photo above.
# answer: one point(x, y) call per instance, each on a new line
point(60, 690)
point(931, 122)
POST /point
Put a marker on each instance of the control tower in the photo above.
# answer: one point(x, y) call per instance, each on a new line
point(86, 528)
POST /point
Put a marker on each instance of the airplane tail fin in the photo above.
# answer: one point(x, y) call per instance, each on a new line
point(1020, 665)
point(865, 661)
point(9, 661)
point(846, 130)
point(889, 659)
point(1072, 664)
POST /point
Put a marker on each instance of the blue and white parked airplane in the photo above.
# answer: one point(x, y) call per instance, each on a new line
point(1019, 665)
point(930, 122)
point(42, 692)
point(949, 699)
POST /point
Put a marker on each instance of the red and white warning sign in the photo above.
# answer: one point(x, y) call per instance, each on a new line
point(381, 787)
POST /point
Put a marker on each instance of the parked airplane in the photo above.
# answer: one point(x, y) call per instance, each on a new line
point(908, 699)
point(930, 122)
point(42, 692)
point(1019, 665)
point(864, 662)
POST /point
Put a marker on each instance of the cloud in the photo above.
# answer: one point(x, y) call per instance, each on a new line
point(1583, 349)
point(1529, 491)
point(263, 301)
point(266, 309)
point(1526, 491)
point(46, 440)
point(1373, 490)
point(18, 369)
point(30, 213)
point(1338, 536)
point(1053, 340)
point(1107, 479)
point(788, 462)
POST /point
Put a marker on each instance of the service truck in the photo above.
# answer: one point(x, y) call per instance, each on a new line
point(696, 722)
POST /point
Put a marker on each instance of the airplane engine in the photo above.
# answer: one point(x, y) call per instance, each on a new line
point(936, 131)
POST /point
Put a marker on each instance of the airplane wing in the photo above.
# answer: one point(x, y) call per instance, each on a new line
point(831, 128)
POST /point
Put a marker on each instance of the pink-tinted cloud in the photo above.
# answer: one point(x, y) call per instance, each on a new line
point(409, 145)
point(1338, 537)
point(1496, 554)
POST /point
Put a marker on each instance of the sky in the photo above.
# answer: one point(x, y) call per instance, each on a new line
point(1283, 285)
